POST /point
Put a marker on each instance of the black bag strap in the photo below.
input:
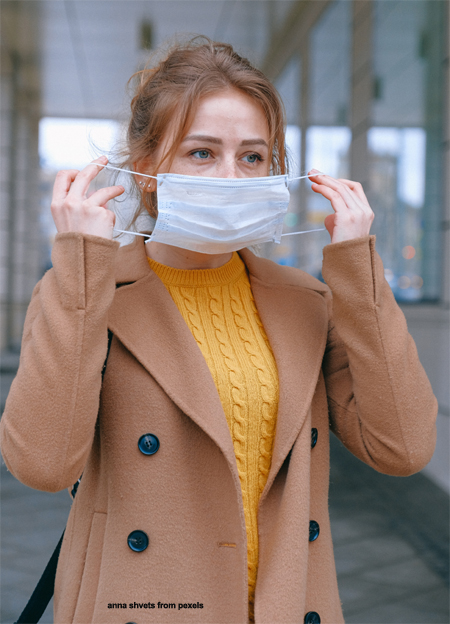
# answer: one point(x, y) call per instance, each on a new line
point(43, 591)
point(45, 588)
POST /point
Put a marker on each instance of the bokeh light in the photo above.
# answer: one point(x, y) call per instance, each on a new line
point(404, 282)
point(417, 282)
point(408, 252)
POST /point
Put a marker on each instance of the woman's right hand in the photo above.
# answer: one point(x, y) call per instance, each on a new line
point(74, 211)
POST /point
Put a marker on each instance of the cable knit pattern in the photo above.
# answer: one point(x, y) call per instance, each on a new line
point(238, 419)
point(256, 353)
point(219, 309)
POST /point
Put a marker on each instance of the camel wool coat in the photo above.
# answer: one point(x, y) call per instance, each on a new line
point(346, 362)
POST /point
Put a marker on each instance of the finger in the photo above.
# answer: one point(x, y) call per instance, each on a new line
point(336, 199)
point(85, 177)
point(62, 185)
point(104, 195)
point(351, 199)
point(356, 187)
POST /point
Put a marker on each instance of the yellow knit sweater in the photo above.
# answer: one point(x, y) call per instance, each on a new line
point(219, 309)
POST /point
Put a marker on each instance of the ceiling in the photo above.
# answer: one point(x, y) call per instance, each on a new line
point(90, 48)
point(87, 50)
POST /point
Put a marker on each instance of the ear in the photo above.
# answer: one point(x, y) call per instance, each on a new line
point(146, 185)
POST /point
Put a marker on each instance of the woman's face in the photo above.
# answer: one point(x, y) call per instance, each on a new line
point(228, 138)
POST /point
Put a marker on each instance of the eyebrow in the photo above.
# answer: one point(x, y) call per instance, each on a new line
point(210, 139)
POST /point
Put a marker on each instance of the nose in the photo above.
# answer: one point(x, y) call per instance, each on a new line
point(228, 167)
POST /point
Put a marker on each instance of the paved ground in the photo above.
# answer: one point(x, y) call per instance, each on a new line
point(391, 540)
point(391, 543)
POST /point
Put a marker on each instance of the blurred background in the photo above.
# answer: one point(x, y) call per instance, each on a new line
point(365, 84)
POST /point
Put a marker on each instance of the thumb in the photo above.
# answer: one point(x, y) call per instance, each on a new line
point(329, 224)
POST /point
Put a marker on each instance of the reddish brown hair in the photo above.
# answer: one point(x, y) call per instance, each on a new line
point(170, 92)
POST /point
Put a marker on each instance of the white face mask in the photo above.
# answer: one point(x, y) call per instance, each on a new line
point(219, 215)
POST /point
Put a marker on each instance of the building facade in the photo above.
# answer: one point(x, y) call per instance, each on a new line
point(366, 90)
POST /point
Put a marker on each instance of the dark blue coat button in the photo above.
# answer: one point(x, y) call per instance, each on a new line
point(148, 444)
point(314, 435)
point(138, 541)
point(312, 618)
point(314, 531)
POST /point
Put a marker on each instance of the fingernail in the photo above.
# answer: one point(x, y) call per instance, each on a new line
point(315, 171)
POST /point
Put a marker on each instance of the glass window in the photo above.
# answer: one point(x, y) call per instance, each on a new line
point(329, 67)
point(405, 145)
point(327, 134)
point(404, 140)
point(289, 86)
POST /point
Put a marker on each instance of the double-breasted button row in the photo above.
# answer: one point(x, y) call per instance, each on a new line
point(138, 541)
point(148, 444)
point(312, 617)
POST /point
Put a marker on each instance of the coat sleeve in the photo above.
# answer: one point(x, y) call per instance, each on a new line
point(381, 404)
point(48, 426)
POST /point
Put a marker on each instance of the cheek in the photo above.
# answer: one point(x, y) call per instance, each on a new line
point(183, 166)
point(178, 165)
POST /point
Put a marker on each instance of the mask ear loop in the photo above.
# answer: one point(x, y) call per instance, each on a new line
point(304, 231)
point(302, 177)
point(133, 233)
point(144, 175)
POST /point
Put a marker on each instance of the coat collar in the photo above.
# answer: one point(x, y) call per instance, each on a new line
point(292, 308)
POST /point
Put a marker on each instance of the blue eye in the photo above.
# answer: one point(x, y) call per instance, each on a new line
point(252, 158)
point(201, 154)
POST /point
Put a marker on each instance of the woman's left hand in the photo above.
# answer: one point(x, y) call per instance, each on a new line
point(352, 216)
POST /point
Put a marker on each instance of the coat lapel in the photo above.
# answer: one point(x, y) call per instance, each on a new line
point(293, 312)
point(147, 322)
point(294, 315)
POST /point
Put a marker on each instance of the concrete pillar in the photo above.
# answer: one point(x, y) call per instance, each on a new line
point(304, 121)
point(361, 90)
point(446, 164)
point(20, 235)
point(432, 247)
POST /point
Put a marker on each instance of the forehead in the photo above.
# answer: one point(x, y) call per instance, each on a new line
point(230, 111)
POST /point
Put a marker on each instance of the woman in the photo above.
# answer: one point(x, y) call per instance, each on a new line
point(204, 450)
